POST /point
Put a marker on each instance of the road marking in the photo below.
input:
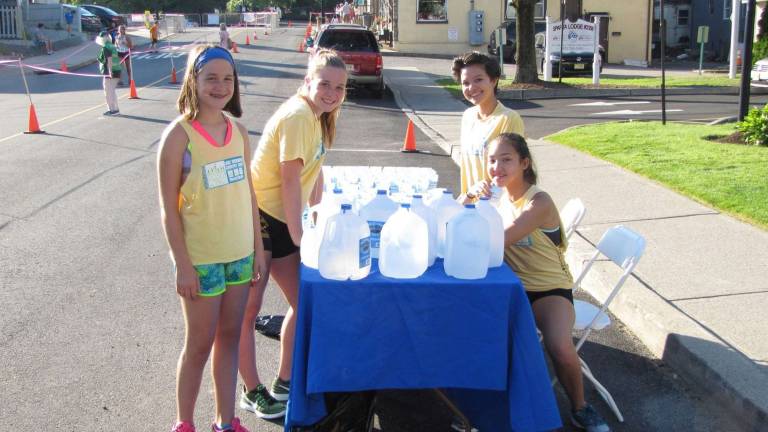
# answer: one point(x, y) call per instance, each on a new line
point(631, 112)
point(602, 103)
point(51, 123)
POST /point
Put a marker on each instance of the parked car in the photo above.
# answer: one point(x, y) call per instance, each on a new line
point(760, 70)
point(573, 65)
point(108, 17)
point(510, 46)
point(89, 22)
point(358, 47)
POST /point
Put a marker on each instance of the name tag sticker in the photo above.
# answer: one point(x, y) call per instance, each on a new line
point(224, 172)
point(525, 242)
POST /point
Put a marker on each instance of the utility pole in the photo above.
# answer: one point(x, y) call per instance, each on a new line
point(746, 60)
point(662, 42)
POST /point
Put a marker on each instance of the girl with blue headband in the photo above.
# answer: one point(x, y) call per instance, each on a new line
point(287, 175)
point(211, 222)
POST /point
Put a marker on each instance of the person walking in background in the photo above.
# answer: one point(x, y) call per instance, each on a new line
point(69, 17)
point(211, 222)
point(535, 244)
point(479, 74)
point(287, 174)
point(109, 66)
point(224, 40)
point(153, 35)
point(124, 46)
point(42, 40)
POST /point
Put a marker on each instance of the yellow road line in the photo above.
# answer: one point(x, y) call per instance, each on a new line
point(82, 112)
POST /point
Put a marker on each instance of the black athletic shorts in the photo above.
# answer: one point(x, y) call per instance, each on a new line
point(276, 237)
point(536, 295)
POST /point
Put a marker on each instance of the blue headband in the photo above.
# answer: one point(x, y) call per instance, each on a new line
point(213, 53)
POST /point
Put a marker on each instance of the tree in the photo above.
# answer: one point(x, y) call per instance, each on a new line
point(525, 52)
point(762, 25)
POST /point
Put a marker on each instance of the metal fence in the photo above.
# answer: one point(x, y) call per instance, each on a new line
point(10, 27)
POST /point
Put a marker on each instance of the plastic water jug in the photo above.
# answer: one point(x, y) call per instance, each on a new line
point(345, 249)
point(404, 250)
point(467, 245)
point(444, 208)
point(421, 209)
point(376, 213)
point(310, 240)
point(495, 195)
point(495, 231)
point(328, 207)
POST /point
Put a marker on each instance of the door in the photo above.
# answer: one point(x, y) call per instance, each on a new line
point(605, 19)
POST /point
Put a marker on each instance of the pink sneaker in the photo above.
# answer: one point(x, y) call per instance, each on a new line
point(182, 426)
point(236, 427)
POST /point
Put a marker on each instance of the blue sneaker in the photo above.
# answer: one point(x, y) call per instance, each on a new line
point(588, 419)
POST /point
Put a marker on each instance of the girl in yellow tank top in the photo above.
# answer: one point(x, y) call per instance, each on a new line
point(210, 219)
point(534, 243)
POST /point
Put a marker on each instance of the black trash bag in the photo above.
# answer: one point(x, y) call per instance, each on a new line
point(347, 412)
point(269, 325)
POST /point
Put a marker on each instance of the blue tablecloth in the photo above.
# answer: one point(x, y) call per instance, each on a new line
point(476, 339)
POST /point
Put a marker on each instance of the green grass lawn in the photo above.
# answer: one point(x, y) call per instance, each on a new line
point(730, 177)
point(612, 82)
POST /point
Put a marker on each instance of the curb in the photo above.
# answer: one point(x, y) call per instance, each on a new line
point(431, 133)
point(530, 94)
point(703, 361)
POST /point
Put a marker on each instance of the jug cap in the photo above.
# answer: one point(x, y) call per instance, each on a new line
point(381, 192)
point(448, 191)
point(405, 205)
point(337, 190)
point(484, 198)
point(417, 196)
point(346, 206)
point(469, 206)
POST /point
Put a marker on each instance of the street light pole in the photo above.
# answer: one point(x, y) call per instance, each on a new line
point(662, 37)
point(562, 32)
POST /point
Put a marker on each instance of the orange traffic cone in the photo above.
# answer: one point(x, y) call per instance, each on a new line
point(173, 76)
point(34, 126)
point(64, 66)
point(301, 47)
point(409, 145)
point(247, 40)
point(234, 48)
point(133, 95)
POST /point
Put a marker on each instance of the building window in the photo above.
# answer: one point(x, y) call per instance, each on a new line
point(682, 17)
point(432, 11)
point(727, 10)
point(539, 10)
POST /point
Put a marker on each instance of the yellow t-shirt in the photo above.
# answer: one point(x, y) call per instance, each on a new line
point(293, 132)
point(215, 203)
point(537, 261)
point(475, 136)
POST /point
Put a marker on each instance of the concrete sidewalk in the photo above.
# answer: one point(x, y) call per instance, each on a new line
point(698, 297)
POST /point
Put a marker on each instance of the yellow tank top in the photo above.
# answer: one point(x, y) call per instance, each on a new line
point(537, 261)
point(215, 202)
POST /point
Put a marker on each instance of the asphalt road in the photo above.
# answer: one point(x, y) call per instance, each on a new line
point(91, 327)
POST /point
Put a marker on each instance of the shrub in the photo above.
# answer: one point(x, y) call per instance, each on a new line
point(759, 50)
point(754, 128)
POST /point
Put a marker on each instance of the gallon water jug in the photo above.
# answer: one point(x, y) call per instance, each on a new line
point(418, 207)
point(345, 248)
point(495, 231)
point(404, 250)
point(444, 208)
point(376, 213)
point(328, 207)
point(310, 240)
point(467, 245)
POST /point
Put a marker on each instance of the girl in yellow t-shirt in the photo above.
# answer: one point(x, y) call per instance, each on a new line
point(287, 174)
point(535, 243)
point(479, 76)
point(210, 218)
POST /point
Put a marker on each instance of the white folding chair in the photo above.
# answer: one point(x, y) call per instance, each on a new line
point(572, 213)
point(624, 248)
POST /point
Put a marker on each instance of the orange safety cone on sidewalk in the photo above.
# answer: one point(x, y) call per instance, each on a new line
point(34, 126)
point(63, 67)
point(173, 76)
point(133, 95)
point(247, 40)
point(409, 144)
point(301, 47)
